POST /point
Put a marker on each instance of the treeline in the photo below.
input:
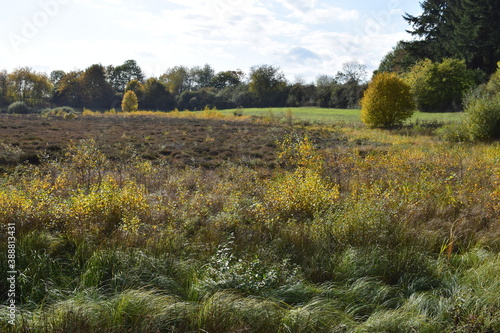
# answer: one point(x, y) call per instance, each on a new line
point(194, 88)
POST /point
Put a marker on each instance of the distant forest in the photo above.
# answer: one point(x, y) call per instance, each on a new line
point(101, 87)
point(465, 30)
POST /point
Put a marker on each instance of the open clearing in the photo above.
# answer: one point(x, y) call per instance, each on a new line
point(329, 116)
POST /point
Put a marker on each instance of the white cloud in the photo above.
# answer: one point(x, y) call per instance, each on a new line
point(303, 37)
point(197, 23)
point(298, 5)
point(309, 11)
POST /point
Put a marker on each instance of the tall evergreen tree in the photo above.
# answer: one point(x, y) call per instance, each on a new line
point(464, 29)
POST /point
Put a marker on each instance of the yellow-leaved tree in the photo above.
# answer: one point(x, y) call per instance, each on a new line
point(387, 101)
point(130, 102)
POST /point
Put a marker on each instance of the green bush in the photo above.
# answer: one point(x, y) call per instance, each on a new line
point(482, 114)
point(482, 120)
point(19, 108)
point(454, 132)
point(387, 101)
point(439, 87)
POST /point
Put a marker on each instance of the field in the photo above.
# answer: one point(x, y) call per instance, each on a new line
point(200, 222)
point(332, 116)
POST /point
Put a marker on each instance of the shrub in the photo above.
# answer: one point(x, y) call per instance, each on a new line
point(64, 111)
point(493, 85)
point(482, 114)
point(212, 113)
point(387, 101)
point(19, 107)
point(482, 120)
point(301, 194)
point(454, 132)
point(439, 87)
point(105, 208)
point(130, 102)
point(87, 162)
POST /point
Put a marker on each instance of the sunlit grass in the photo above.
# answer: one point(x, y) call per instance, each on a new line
point(386, 231)
point(348, 116)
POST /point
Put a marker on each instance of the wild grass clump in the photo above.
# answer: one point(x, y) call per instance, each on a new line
point(207, 113)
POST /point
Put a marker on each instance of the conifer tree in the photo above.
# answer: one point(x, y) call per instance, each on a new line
point(462, 29)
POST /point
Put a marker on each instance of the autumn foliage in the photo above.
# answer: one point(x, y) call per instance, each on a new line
point(387, 101)
point(130, 102)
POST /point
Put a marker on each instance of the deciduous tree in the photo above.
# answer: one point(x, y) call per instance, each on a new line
point(351, 71)
point(56, 76)
point(3, 87)
point(201, 76)
point(28, 86)
point(227, 79)
point(324, 90)
point(121, 75)
point(156, 96)
point(439, 87)
point(137, 87)
point(177, 79)
point(69, 89)
point(268, 84)
point(96, 91)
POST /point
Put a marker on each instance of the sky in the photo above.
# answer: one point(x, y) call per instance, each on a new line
point(304, 38)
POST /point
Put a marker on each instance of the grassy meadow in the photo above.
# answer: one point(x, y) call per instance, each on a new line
point(332, 116)
point(292, 222)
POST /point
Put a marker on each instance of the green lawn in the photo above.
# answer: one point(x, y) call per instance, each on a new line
point(324, 115)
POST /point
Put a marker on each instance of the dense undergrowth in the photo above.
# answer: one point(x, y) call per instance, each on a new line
point(393, 233)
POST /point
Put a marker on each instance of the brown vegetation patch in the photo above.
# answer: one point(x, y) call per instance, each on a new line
point(178, 141)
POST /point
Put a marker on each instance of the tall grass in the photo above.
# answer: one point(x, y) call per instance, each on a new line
point(376, 235)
